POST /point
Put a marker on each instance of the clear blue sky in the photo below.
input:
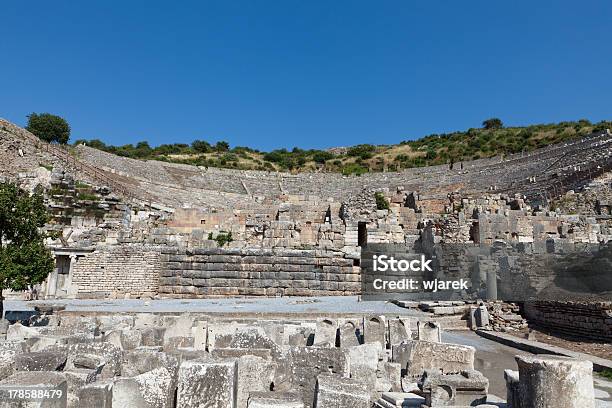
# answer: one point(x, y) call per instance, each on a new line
point(313, 74)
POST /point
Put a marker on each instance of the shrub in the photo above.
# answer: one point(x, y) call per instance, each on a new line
point(381, 202)
point(222, 238)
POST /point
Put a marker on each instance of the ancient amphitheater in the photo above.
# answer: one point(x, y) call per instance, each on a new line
point(144, 231)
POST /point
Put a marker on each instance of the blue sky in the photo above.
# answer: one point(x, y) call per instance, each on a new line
point(313, 74)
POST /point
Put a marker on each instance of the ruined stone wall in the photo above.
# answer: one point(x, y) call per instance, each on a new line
point(114, 271)
point(256, 272)
point(578, 319)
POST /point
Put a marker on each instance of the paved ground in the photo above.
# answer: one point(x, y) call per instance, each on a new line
point(286, 305)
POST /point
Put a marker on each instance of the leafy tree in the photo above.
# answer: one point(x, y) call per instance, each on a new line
point(201, 146)
point(322, 156)
point(24, 259)
point(48, 127)
point(493, 123)
point(222, 146)
point(364, 151)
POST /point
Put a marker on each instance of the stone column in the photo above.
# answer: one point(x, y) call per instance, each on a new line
point(71, 291)
point(492, 285)
point(52, 281)
point(548, 381)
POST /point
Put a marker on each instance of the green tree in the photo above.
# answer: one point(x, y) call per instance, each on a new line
point(222, 146)
point(493, 123)
point(24, 259)
point(48, 127)
point(201, 146)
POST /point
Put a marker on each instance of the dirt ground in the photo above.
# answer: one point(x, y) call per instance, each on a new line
point(595, 348)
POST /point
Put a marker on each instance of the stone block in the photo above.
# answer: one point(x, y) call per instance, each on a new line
point(153, 389)
point(429, 331)
point(399, 331)
point(208, 384)
point(254, 374)
point(469, 388)
point(548, 381)
point(41, 361)
point(374, 330)
point(339, 392)
point(96, 395)
point(348, 334)
point(416, 356)
point(45, 381)
point(274, 400)
point(304, 365)
point(325, 333)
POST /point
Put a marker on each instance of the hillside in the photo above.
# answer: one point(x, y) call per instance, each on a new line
point(426, 151)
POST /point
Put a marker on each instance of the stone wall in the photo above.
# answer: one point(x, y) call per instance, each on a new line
point(577, 319)
point(205, 272)
point(114, 271)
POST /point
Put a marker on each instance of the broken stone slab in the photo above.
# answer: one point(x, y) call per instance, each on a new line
point(210, 384)
point(97, 395)
point(333, 391)
point(429, 331)
point(41, 361)
point(548, 381)
point(254, 374)
point(271, 399)
point(416, 356)
point(153, 389)
point(49, 383)
point(468, 388)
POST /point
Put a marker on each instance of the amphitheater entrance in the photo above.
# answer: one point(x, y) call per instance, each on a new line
point(362, 234)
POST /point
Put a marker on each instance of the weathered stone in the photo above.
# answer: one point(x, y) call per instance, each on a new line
point(306, 363)
point(416, 356)
point(34, 380)
point(374, 330)
point(153, 389)
point(274, 400)
point(348, 334)
point(469, 388)
point(254, 374)
point(548, 381)
point(96, 395)
point(339, 392)
point(42, 361)
point(207, 384)
point(325, 333)
point(429, 331)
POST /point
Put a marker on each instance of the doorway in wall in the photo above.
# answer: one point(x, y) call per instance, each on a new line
point(362, 233)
